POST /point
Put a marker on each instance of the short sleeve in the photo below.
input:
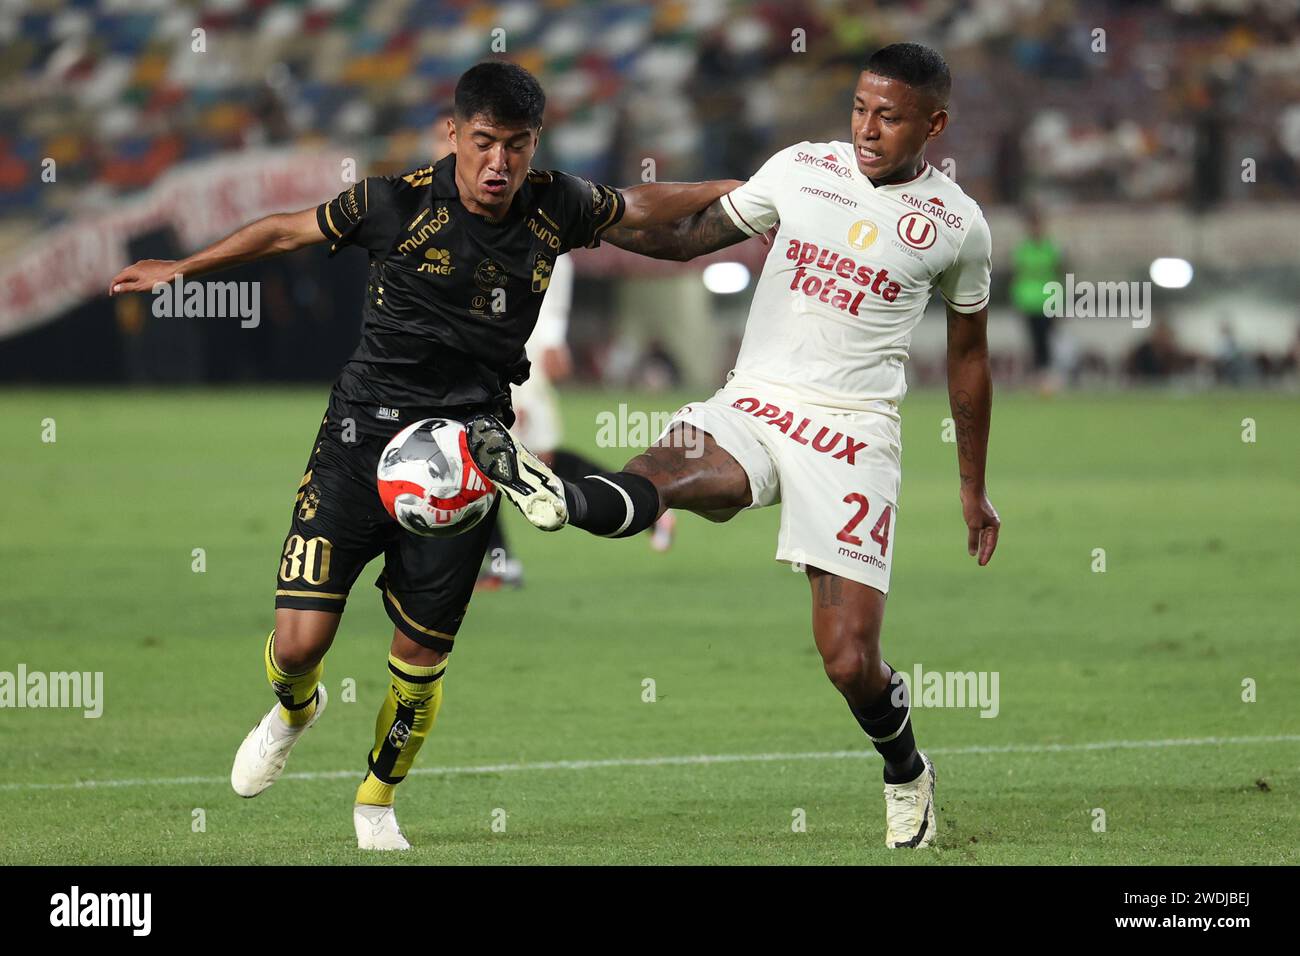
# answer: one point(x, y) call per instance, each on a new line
point(589, 209)
point(752, 207)
point(362, 215)
point(965, 283)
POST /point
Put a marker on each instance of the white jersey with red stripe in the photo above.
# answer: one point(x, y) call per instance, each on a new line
point(850, 274)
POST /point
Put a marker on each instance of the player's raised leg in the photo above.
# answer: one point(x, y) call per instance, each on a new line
point(685, 469)
point(847, 617)
point(294, 656)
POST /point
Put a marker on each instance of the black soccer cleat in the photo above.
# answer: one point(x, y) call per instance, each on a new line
point(529, 484)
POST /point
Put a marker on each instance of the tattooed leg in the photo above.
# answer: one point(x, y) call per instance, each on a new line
point(686, 469)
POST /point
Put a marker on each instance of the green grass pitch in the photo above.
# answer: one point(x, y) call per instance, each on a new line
point(1117, 689)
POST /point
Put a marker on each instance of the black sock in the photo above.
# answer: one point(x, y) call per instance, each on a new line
point(615, 505)
point(571, 466)
point(888, 723)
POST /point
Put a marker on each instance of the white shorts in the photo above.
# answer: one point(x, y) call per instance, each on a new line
point(537, 414)
point(836, 474)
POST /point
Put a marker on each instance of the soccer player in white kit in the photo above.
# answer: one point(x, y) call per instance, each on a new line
point(867, 231)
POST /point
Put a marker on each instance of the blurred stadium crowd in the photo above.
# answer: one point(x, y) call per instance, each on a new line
point(111, 90)
point(1056, 103)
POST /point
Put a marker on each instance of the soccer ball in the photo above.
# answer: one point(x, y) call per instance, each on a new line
point(430, 484)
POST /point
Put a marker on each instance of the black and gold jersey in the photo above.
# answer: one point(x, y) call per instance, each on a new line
point(451, 296)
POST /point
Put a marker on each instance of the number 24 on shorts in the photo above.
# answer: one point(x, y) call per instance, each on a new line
point(879, 533)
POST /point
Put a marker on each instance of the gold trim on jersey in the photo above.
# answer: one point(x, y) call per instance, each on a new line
point(329, 221)
point(613, 211)
point(310, 594)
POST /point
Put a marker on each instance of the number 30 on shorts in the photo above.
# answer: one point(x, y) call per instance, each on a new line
point(308, 558)
point(879, 533)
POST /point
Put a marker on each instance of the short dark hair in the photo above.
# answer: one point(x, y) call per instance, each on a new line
point(918, 66)
point(502, 93)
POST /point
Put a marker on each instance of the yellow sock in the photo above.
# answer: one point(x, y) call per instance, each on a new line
point(297, 692)
point(405, 719)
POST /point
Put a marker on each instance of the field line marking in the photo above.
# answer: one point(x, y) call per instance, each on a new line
point(684, 760)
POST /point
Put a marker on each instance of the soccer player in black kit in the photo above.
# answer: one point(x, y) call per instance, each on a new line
point(460, 254)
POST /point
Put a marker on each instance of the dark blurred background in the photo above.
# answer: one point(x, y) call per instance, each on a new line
point(1099, 137)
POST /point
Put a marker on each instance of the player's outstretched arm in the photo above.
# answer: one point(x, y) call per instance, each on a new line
point(268, 236)
point(676, 220)
point(970, 395)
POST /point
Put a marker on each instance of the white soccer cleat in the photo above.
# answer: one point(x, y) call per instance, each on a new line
point(261, 757)
point(521, 477)
point(377, 828)
point(909, 811)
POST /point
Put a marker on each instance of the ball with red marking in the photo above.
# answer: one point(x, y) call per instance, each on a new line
point(430, 484)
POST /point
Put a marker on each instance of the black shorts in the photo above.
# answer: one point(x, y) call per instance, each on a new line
point(339, 525)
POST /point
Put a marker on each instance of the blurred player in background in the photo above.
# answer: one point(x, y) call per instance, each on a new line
point(1036, 261)
point(867, 231)
point(448, 244)
point(538, 423)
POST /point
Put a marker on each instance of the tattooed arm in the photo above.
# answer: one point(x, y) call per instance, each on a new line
point(970, 395)
point(682, 238)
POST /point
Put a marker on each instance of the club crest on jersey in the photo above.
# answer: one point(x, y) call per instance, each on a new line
point(917, 230)
point(542, 268)
point(489, 275)
point(439, 262)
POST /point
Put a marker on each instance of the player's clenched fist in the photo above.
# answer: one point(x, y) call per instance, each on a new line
point(982, 524)
point(143, 276)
